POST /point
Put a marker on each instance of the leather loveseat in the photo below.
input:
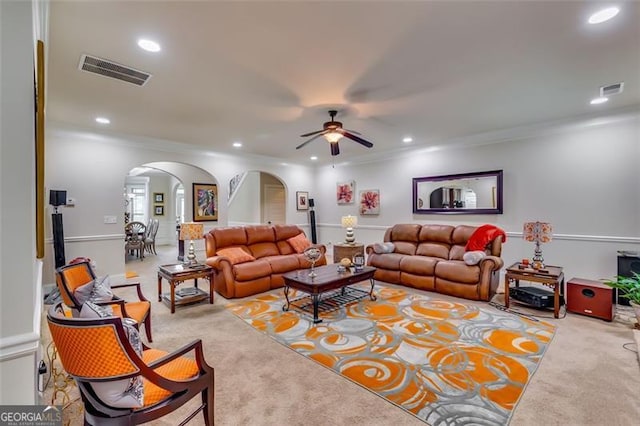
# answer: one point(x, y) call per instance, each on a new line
point(430, 257)
point(252, 259)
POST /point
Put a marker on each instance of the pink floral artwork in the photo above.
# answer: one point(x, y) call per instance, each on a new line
point(344, 192)
point(370, 201)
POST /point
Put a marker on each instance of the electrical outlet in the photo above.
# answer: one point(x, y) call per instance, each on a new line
point(110, 219)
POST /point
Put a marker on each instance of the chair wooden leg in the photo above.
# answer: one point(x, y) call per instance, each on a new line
point(147, 327)
point(207, 399)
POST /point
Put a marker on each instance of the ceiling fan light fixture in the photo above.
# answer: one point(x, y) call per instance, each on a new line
point(333, 137)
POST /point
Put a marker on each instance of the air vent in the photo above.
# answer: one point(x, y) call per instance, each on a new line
point(112, 69)
point(612, 89)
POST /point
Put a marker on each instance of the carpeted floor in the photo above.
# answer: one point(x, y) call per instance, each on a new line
point(585, 378)
point(445, 362)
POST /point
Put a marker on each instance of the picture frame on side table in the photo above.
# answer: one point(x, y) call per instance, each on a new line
point(302, 200)
point(205, 202)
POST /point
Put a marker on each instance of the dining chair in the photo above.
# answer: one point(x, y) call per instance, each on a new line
point(124, 382)
point(70, 277)
point(134, 238)
point(150, 238)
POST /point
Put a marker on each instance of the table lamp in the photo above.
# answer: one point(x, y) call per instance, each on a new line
point(538, 232)
point(349, 222)
point(191, 231)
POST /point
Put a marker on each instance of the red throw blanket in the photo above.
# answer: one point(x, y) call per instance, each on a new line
point(483, 236)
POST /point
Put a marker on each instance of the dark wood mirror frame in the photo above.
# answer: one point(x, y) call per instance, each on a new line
point(424, 188)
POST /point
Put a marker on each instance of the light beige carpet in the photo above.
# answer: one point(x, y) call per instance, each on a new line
point(585, 378)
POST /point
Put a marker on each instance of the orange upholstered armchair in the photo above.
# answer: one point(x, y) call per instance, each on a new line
point(70, 277)
point(101, 355)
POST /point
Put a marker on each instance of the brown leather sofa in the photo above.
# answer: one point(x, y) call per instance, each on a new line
point(430, 257)
point(273, 254)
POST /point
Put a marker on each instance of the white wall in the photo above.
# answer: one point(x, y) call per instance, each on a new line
point(20, 285)
point(245, 206)
point(584, 180)
point(92, 168)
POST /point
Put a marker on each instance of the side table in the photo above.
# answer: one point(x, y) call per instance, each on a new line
point(340, 251)
point(178, 273)
point(550, 276)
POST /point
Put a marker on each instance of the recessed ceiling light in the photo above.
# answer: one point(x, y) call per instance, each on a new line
point(603, 15)
point(313, 157)
point(597, 101)
point(149, 45)
point(407, 139)
point(237, 144)
point(102, 120)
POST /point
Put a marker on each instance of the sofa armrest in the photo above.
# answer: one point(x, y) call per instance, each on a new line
point(369, 249)
point(494, 263)
point(321, 247)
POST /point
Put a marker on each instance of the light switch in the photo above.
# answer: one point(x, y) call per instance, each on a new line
point(71, 201)
point(110, 219)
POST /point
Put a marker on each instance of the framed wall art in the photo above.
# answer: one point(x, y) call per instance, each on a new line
point(370, 201)
point(344, 192)
point(302, 200)
point(158, 197)
point(158, 210)
point(205, 202)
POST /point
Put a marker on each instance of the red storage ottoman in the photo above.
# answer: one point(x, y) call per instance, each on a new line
point(591, 298)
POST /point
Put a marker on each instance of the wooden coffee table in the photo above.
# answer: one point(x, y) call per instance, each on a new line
point(327, 278)
point(178, 273)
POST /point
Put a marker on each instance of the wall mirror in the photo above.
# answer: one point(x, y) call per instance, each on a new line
point(466, 193)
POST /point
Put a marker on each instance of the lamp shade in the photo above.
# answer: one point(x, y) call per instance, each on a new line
point(540, 232)
point(349, 221)
point(333, 137)
point(191, 231)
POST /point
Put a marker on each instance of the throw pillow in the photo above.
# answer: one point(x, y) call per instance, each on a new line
point(125, 393)
point(383, 247)
point(299, 243)
point(101, 292)
point(473, 257)
point(83, 292)
point(235, 255)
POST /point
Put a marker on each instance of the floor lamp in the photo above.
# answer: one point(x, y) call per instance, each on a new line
point(56, 199)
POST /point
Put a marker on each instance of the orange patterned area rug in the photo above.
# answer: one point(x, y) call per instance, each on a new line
point(446, 362)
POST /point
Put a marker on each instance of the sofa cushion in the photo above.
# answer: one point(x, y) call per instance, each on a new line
point(251, 270)
point(458, 271)
point(386, 261)
point(405, 232)
point(299, 243)
point(456, 252)
point(436, 234)
point(404, 247)
point(235, 255)
point(419, 265)
point(284, 232)
point(462, 233)
point(280, 264)
point(229, 237)
point(260, 234)
point(260, 250)
point(440, 250)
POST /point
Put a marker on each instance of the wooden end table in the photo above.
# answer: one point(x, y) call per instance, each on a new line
point(340, 251)
point(550, 276)
point(178, 273)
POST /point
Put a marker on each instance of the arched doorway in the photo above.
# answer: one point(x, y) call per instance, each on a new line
point(256, 197)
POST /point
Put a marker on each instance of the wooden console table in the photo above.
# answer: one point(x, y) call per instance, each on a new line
point(178, 273)
point(340, 251)
point(550, 276)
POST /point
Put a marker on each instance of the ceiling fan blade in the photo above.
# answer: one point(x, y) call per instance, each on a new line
point(312, 139)
point(335, 149)
point(357, 139)
point(352, 131)
point(312, 133)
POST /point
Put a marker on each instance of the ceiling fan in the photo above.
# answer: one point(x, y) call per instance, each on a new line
point(333, 132)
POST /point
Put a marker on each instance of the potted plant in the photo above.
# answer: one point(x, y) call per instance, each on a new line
point(630, 287)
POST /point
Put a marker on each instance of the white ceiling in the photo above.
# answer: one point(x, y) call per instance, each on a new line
point(265, 72)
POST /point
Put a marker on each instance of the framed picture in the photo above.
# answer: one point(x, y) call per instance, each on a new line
point(344, 192)
point(158, 197)
point(370, 201)
point(158, 210)
point(302, 200)
point(39, 131)
point(205, 202)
